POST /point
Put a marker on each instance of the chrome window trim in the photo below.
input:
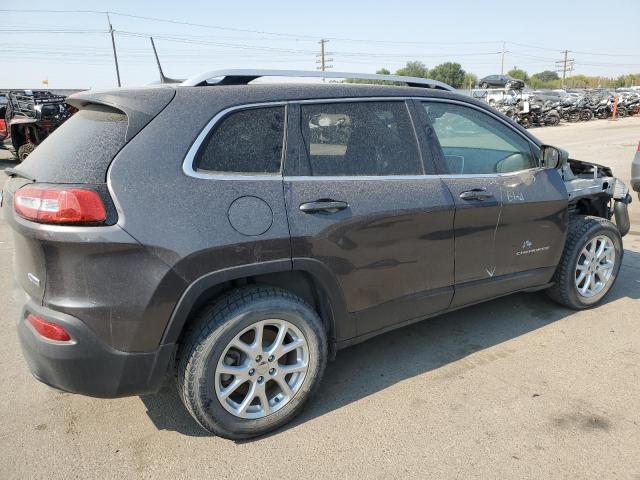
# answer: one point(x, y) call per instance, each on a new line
point(293, 178)
point(187, 165)
point(190, 158)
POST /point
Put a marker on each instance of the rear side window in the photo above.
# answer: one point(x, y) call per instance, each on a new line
point(81, 149)
point(246, 141)
point(359, 138)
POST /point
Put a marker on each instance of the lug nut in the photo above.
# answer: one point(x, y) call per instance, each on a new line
point(260, 379)
point(272, 371)
point(258, 358)
point(271, 358)
point(252, 371)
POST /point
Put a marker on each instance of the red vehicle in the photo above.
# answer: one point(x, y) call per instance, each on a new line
point(30, 117)
point(3, 109)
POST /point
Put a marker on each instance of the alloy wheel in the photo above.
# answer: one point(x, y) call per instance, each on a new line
point(594, 267)
point(262, 369)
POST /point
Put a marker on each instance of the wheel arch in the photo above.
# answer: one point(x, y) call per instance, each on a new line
point(307, 278)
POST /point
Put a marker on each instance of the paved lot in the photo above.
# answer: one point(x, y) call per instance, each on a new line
point(513, 388)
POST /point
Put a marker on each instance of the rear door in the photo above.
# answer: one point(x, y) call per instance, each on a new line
point(359, 203)
point(510, 213)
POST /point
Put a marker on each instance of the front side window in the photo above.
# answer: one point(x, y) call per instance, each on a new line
point(473, 142)
point(245, 141)
point(359, 138)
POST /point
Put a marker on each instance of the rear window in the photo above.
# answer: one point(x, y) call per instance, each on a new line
point(246, 141)
point(81, 149)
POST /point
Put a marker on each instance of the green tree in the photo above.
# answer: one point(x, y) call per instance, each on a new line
point(544, 77)
point(470, 80)
point(518, 73)
point(414, 69)
point(383, 71)
point(450, 73)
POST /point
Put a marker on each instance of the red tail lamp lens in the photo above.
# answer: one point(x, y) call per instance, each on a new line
point(49, 330)
point(51, 204)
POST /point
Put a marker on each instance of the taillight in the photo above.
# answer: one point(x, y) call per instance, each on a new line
point(59, 204)
point(49, 330)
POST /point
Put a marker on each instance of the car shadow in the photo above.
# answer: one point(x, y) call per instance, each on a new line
point(383, 361)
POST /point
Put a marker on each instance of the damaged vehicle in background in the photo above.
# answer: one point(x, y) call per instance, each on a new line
point(31, 116)
point(289, 220)
point(635, 171)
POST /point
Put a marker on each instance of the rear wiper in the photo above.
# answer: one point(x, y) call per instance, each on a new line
point(17, 173)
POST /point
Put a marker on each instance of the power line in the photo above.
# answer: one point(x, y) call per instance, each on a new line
point(297, 35)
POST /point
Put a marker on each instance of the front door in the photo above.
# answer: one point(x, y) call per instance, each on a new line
point(510, 213)
point(358, 202)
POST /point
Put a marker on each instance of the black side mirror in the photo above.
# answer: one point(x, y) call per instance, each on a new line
point(553, 157)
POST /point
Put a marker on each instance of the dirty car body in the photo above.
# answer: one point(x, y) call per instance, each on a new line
point(376, 208)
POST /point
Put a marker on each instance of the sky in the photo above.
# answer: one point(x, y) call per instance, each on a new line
point(73, 50)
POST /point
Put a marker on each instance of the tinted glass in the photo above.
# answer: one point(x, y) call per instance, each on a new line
point(246, 141)
point(476, 143)
point(360, 138)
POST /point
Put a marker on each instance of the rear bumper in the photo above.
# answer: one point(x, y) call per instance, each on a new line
point(87, 365)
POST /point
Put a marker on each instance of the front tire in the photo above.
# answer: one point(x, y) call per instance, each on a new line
point(250, 361)
point(589, 264)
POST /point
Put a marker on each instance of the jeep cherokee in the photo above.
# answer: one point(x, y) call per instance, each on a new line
point(278, 223)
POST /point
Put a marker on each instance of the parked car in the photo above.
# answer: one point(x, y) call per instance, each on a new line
point(30, 116)
point(495, 95)
point(279, 223)
point(504, 81)
point(635, 171)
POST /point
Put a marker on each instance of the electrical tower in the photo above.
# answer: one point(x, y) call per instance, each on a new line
point(565, 65)
point(504, 51)
point(322, 59)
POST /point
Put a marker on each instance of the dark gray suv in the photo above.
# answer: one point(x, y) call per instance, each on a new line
point(235, 235)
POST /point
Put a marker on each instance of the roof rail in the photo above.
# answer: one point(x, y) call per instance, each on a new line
point(242, 77)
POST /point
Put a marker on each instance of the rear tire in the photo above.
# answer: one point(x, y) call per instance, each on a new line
point(586, 115)
point(571, 286)
point(25, 150)
point(259, 396)
point(484, 85)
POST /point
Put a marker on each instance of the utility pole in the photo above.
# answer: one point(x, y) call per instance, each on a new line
point(565, 65)
point(502, 63)
point(322, 57)
point(113, 44)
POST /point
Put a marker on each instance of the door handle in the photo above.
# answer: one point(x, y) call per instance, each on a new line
point(323, 206)
point(476, 194)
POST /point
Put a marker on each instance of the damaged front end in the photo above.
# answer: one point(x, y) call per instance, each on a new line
point(593, 190)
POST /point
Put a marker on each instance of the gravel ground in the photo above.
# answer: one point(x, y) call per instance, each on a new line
point(513, 388)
